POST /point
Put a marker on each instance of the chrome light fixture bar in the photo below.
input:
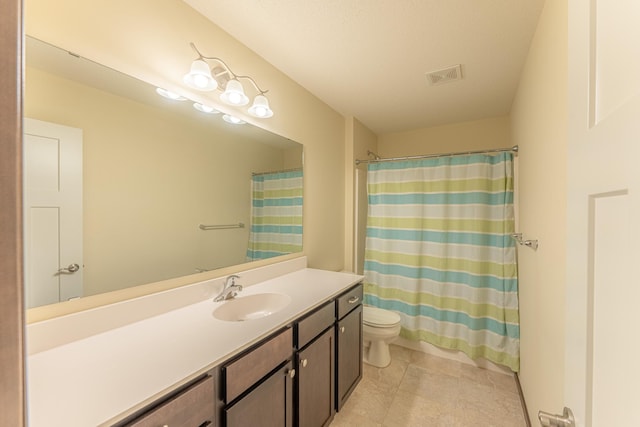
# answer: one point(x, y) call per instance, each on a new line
point(203, 77)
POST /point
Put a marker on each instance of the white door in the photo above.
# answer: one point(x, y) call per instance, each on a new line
point(52, 212)
point(602, 354)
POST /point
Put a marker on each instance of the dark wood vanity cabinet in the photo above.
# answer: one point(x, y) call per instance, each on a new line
point(298, 376)
point(348, 344)
point(315, 362)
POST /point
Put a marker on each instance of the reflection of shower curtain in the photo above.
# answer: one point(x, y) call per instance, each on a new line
point(439, 252)
point(276, 215)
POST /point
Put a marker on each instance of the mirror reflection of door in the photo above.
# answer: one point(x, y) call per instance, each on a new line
point(52, 212)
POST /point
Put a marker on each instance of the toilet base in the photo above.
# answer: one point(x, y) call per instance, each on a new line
point(377, 354)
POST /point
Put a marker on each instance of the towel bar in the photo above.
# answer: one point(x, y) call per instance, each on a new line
point(221, 226)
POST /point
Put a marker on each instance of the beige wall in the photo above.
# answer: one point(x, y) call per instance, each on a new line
point(149, 39)
point(539, 125)
point(150, 176)
point(359, 139)
point(464, 136)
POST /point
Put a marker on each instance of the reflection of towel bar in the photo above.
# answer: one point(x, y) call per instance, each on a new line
point(221, 226)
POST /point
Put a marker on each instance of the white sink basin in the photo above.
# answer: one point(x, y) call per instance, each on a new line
point(251, 307)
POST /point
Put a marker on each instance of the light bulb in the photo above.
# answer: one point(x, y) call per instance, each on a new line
point(260, 107)
point(205, 108)
point(233, 120)
point(200, 81)
point(235, 98)
point(170, 95)
point(199, 76)
point(234, 94)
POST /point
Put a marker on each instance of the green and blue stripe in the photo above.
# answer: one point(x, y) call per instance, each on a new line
point(439, 252)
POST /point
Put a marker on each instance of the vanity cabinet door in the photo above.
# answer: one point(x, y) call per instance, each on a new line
point(316, 382)
point(269, 404)
point(349, 354)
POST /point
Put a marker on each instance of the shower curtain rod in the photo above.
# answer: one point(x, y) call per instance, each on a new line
point(429, 156)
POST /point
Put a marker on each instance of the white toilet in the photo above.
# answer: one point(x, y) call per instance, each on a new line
point(379, 328)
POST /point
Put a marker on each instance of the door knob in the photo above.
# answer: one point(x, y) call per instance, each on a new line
point(72, 268)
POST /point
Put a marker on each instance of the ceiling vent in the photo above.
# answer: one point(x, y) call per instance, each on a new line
point(446, 75)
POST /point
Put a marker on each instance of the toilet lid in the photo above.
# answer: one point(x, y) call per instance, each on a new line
point(375, 316)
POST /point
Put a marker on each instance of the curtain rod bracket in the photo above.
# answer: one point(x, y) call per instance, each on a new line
point(533, 244)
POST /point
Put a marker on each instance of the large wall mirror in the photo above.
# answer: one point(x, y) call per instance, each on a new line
point(124, 187)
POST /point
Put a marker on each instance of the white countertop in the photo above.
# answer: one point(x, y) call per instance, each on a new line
point(91, 380)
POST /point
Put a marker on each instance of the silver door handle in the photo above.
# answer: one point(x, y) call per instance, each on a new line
point(72, 268)
point(555, 420)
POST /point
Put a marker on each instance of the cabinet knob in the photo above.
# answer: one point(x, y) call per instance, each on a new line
point(291, 373)
point(304, 362)
point(342, 329)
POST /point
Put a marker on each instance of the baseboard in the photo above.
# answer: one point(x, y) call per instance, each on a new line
point(522, 401)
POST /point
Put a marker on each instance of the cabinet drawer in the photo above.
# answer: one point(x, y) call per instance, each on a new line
point(249, 368)
point(192, 407)
point(313, 324)
point(349, 300)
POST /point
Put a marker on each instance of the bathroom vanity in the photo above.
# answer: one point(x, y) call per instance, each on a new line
point(185, 366)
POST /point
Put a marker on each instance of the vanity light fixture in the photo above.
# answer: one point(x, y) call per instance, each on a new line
point(234, 94)
point(233, 120)
point(199, 77)
point(206, 78)
point(205, 108)
point(260, 107)
point(170, 95)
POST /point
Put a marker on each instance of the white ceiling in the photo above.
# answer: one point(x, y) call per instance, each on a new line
point(368, 58)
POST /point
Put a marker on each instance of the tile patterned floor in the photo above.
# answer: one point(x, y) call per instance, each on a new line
point(418, 389)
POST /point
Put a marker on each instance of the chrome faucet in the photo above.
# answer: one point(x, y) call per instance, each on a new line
point(229, 290)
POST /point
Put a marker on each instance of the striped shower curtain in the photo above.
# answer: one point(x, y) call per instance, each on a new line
point(439, 252)
point(276, 215)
